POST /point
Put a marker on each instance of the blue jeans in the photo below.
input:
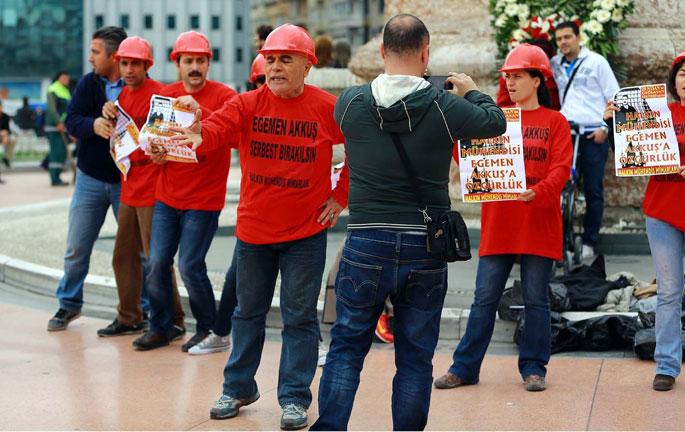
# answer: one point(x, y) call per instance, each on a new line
point(666, 243)
point(229, 300)
point(491, 277)
point(191, 233)
point(592, 159)
point(301, 263)
point(376, 264)
point(89, 204)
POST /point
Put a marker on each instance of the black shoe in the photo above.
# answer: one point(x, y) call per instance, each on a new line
point(176, 332)
point(6, 162)
point(196, 339)
point(663, 382)
point(60, 183)
point(62, 319)
point(118, 329)
point(149, 341)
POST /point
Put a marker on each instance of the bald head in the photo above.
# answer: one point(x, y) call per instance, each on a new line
point(405, 34)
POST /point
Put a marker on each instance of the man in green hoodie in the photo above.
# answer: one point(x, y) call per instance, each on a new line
point(385, 250)
point(55, 113)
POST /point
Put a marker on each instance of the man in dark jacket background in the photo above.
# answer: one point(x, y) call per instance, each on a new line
point(385, 251)
point(97, 178)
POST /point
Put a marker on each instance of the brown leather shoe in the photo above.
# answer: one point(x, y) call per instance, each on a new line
point(448, 381)
point(534, 383)
point(663, 382)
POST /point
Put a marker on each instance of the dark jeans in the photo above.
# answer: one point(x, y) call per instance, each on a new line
point(191, 233)
point(592, 159)
point(376, 264)
point(229, 299)
point(301, 264)
point(491, 277)
point(89, 205)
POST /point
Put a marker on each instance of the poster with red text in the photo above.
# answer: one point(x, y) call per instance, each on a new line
point(645, 140)
point(155, 136)
point(492, 169)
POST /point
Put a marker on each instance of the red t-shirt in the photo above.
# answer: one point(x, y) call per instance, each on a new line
point(285, 156)
point(533, 228)
point(665, 194)
point(138, 190)
point(504, 101)
point(200, 186)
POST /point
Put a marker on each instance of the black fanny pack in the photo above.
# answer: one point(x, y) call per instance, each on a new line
point(448, 238)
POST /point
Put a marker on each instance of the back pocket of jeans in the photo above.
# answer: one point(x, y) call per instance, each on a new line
point(357, 283)
point(426, 288)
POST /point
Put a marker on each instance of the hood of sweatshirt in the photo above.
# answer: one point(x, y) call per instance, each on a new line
point(399, 102)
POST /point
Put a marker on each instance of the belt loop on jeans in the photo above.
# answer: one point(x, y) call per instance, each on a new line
point(398, 242)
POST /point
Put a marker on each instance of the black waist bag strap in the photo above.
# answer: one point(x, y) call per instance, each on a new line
point(447, 235)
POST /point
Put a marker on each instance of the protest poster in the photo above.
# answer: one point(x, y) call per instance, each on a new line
point(155, 135)
point(644, 137)
point(124, 140)
point(492, 169)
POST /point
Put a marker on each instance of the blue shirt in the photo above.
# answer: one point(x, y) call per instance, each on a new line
point(112, 89)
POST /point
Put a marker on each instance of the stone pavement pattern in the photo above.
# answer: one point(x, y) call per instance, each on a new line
point(75, 380)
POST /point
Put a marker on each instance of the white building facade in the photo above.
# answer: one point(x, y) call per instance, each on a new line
point(226, 23)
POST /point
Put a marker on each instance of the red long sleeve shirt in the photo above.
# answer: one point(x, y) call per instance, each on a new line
point(533, 228)
point(665, 194)
point(200, 186)
point(285, 154)
point(138, 190)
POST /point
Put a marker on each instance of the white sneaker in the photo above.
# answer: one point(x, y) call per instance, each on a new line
point(322, 355)
point(588, 252)
point(211, 344)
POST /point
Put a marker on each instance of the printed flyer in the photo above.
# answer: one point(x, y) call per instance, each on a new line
point(645, 140)
point(155, 135)
point(124, 140)
point(492, 169)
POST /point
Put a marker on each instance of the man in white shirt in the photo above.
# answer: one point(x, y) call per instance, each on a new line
point(586, 82)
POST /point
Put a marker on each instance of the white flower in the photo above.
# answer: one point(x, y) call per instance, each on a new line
point(603, 15)
point(520, 35)
point(622, 3)
point(593, 27)
point(511, 10)
point(608, 5)
point(584, 38)
point(501, 21)
point(545, 26)
point(523, 11)
point(514, 44)
point(617, 15)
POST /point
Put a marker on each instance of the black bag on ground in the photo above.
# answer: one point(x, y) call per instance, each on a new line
point(586, 285)
point(558, 297)
point(604, 333)
point(511, 296)
point(645, 343)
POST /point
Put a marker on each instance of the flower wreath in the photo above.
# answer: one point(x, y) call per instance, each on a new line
point(516, 21)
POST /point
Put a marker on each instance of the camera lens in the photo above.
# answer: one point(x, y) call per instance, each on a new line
point(448, 85)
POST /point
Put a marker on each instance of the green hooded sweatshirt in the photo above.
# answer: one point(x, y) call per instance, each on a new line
point(428, 122)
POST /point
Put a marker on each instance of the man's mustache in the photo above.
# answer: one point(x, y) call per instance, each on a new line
point(195, 73)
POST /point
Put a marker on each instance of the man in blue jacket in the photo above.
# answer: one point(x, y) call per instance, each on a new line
point(97, 178)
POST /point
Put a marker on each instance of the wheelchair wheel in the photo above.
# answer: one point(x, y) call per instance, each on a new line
point(578, 250)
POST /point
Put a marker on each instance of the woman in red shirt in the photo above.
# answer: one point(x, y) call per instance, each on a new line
point(529, 227)
point(664, 210)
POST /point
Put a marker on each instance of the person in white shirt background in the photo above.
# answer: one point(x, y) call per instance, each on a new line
point(586, 83)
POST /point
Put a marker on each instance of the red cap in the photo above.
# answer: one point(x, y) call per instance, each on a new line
point(289, 38)
point(257, 68)
point(527, 56)
point(136, 48)
point(191, 42)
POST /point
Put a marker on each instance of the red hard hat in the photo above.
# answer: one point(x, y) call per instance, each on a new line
point(191, 42)
point(136, 48)
point(678, 59)
point(257, 68)
point(527, 56)
point(289, 38)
